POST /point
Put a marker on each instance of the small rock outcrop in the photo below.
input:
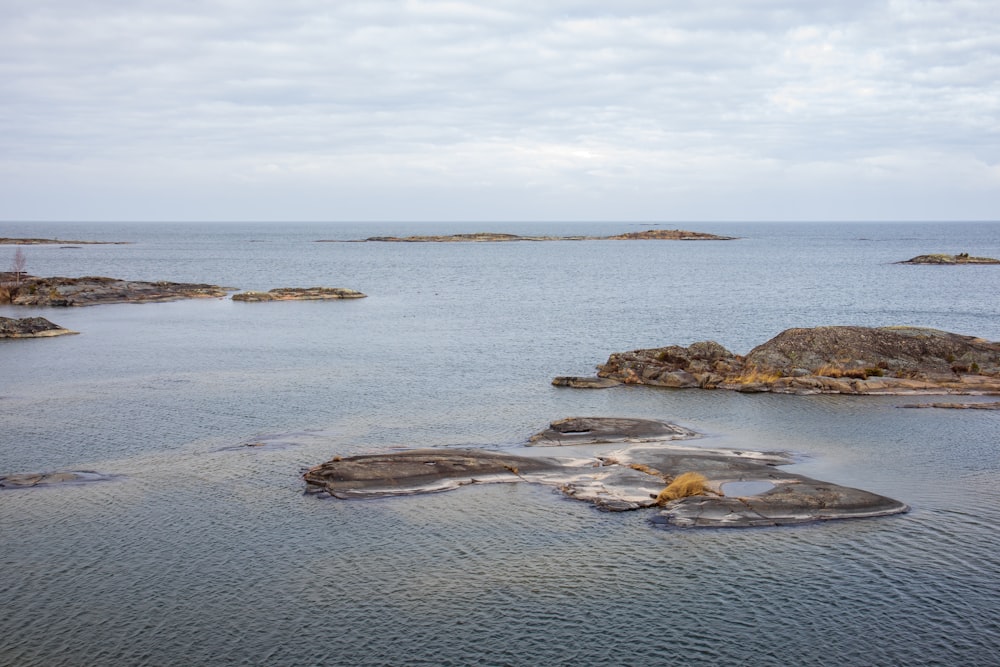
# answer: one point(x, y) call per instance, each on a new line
point(95, 290)
point(300, 294)
point(30, 327)
point(688, 486)
point(837, 359)
point(495, 237)
point(961, 258)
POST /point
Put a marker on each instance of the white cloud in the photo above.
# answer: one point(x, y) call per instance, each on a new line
point(564, 109)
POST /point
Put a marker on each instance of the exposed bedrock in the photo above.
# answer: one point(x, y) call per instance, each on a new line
point(300, 294)
point(30, 327)
point(618, 464)
point(94, 290)
point(942, 259)
point(836, 359)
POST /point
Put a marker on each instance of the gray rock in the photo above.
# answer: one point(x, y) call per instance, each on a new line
point(30, 327)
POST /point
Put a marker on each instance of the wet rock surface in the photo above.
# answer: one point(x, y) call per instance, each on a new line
point(300, 294)
point(419, 471)
point(599, 430)
point(995, 405)
point(961, 258)
point(34, 479)
point(95, 290)
point(494, 237)
point(836, 359)
point(638, 475)
point(578, 382)
point(30, 327)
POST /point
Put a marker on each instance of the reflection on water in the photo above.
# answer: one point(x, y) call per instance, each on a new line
point(205, 550)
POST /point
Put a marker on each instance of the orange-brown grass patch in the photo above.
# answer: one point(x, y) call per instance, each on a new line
point(832, 371)
point(684, 485)
point(756, 376)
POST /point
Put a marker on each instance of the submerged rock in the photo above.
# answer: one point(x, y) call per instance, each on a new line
point(300, 294)
point(30, 327)
point(33, 479)
point(837, 359)
point(94, 290)
point(693, 486)
point(995, 405)
point(961, 258)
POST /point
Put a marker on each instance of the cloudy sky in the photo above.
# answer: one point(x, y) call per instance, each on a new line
point(645, 110)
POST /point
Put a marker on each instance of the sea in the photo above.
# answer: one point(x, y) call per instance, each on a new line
point(202, 546)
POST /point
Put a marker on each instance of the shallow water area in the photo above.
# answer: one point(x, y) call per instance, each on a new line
point(204, 549)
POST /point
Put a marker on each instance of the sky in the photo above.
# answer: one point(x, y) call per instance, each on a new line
point(513, 110)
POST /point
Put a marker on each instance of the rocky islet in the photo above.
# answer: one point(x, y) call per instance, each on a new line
point(835, 360)
point(689, 486)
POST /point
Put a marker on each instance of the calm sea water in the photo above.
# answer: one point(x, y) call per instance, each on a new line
point(204, 551)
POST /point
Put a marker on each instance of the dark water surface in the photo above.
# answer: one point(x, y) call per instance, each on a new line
point(205, 551)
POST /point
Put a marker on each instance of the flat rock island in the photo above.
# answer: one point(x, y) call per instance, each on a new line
point(832, 360)
point(30, 327)
point(618, 464)
point(300, 294)
point(961, 258)
point(494, 237)
point(27, 290)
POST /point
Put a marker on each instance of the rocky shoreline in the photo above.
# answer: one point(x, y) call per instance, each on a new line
point(30, 327)
point(834, 360)
point(494, 237)
point(689, 486)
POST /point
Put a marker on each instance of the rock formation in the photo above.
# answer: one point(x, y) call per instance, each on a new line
point(300, 294)
point(494, 237)
point(10, 241)
point(30, 327)
point(93, 290)
point(689, 486)
point(838, 359)
point(961, 258)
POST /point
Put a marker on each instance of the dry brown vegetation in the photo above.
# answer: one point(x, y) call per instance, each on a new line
point(684, 485)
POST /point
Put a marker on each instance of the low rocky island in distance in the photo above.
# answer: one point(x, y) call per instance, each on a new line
point(961, 258)
point(618, 464)
point(494, 237)
point(30, 327)
point(300, 294)
point(22, 241)
point(831, 360)
point(27, 290)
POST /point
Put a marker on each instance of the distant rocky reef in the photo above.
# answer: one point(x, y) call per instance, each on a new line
point(300, 294)
point(10, 241)
point(493, 237)
point(833, 360)
point(961, 258)
point(30, 327)
point(26, 290)
point(687, 486)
